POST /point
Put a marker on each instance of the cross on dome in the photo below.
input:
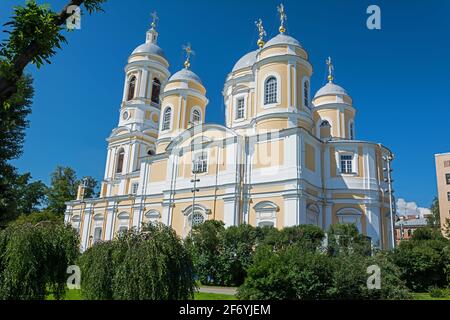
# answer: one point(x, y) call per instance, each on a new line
point(261, 32)
point(283, 18)
point(155, 19)
point(330, 70)
point(188, 49)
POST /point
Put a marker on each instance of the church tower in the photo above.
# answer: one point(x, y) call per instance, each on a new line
point(334, 113)
point(183, 104)
point(135, 136)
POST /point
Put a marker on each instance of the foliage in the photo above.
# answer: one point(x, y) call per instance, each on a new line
point(345, 239)
point(64, 187)
point(235, 254)
point(426, 233)
point(152, 264)
point(295, 273)
point(203, 244)
point(436, 292)
point(37, 217)
point(34, 260)
point(434, 220)
point(424, 263)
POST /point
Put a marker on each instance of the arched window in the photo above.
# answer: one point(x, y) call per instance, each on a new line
point(266, 214)
point(325, 123)
point(120, 159)
point(196, 117)
point(306, 93)
point(350, 216)
point(270, 90)
point(312, 215)
point(156, 90)
point(131, 88)
point(351, 129)
point(167, 118)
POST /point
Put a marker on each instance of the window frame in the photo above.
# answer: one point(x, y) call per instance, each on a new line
point(131, 94)
point(278, 90)
point(163, 119)
point(120, 159)
point(306, 92)
point(205, 161)
point(447, 178)
point(351, 160)
point(238, 110)
point(154, 84)
point(134, 185)
point(199, 111)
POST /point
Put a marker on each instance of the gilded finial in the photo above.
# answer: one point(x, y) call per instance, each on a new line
point(261, 32)
point(155, 19)
point(330, 70)
point(188, 49)
point(283, 18)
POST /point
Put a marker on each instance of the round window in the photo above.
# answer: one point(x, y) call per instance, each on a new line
point(125, 115)
point(197, 219)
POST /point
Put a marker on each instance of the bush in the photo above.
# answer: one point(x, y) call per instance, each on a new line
point(149, 265)
point(34, 260)
point(436, 292)
point(424, 263)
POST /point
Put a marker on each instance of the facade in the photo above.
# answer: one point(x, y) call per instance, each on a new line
point(406, 225)
point(443, 184)
point(282, 158)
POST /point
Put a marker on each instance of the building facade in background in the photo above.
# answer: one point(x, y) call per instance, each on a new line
point(283, 157)
point(406, 225)
point(443, 184)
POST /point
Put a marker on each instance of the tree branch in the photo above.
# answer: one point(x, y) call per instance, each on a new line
point(8, 87)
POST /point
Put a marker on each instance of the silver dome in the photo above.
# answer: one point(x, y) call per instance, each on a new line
point(185, 75)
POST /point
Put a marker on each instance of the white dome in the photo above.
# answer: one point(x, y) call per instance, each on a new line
point(150, 48)
point(246, 61)
point(282, 39)
point(185, 75)
point(330, 89)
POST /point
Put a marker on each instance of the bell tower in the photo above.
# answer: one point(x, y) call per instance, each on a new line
point(135, 136)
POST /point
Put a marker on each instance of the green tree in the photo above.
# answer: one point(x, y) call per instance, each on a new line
point(34, 260)
point(149, 265)
point(434, 220)
point(345, 239)
point(35, 32)
point(203, 243)
point(30, 195)
point(64, 187)
point(424, 263)
point(236, 247)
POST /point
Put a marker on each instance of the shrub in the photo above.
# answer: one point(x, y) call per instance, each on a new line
point(149, 265)
point(436, 292)
point(424, 263)
point(34, 260)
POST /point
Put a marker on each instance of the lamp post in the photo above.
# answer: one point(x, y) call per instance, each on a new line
point(389, 181)
point(194, 190)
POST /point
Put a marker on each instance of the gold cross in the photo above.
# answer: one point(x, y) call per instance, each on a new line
point(283, 18)
point(262, 33)
point(155, 19)
point(330, 70)
point(188, 49)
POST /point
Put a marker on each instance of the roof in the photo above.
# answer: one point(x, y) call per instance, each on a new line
point(246, 61)
point(330, 89)
point(150, 48)
point(185, 75)
point(282, 39)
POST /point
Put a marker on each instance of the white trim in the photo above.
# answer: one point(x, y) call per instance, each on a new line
point(304, 79)
point(263, 91)
point(171, 118)
point(237, 97)
point(191, 118)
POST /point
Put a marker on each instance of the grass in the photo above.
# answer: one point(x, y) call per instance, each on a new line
point(76, 295)
point(426, 296)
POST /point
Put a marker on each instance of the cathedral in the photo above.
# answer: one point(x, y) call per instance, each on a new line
point(283, 157)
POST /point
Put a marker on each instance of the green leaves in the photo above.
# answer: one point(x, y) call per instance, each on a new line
point(151, 265)
point(34, 260)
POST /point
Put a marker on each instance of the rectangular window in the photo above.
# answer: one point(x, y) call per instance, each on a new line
point(346, 163)
point(447, 178)
point(97, 234)
point(240, 108)
point(134, 188)
point(200, 164)
point(448, 196)
point(123, 230)
point(447, 164)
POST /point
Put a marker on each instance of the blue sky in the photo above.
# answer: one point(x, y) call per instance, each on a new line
point(398, 76)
